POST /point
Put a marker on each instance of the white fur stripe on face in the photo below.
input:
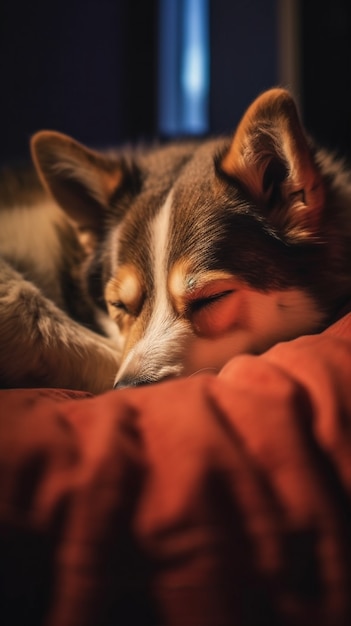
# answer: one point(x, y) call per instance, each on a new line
point(160, 250)
point(155, 355)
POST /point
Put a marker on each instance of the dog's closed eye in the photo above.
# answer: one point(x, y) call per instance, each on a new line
point(201, 303)
point(214, 315)
point(120, 306)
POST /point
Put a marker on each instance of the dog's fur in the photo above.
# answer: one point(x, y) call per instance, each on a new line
point(198, 251)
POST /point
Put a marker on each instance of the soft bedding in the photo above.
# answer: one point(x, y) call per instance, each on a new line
point(209, 501)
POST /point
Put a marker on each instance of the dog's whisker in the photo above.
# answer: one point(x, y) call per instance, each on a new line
point(204, 369)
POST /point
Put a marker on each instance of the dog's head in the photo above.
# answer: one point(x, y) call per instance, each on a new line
point(199, 251)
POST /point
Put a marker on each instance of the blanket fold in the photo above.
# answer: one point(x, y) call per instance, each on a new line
point(208, 501)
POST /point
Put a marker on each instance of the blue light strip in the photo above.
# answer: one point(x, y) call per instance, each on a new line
point(183, 67)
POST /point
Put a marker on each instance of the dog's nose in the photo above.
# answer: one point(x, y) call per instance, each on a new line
point(128, 382)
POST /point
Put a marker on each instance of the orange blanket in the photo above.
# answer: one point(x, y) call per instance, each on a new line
point(212, 501)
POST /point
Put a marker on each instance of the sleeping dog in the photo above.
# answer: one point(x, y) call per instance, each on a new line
point(127, 268)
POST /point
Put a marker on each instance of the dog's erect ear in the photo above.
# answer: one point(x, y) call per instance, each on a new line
point(271, 158)
point(81, 180)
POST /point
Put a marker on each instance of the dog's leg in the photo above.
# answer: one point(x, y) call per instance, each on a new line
point(41, 346)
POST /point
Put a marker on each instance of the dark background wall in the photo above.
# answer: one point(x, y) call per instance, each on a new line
point(244, 57)
point(326, 71)
point(84, 67)
point(89, 68)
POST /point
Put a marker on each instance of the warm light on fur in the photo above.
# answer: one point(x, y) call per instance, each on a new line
point(194, 251)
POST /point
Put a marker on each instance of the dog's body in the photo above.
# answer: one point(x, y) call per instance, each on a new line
point(40, 296)
point(198, 251)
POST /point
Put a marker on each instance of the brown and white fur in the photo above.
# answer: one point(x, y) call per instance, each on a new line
point(196, 251)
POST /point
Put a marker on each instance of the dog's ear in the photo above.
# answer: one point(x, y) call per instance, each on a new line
point(81, 180)
point(271, 158)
